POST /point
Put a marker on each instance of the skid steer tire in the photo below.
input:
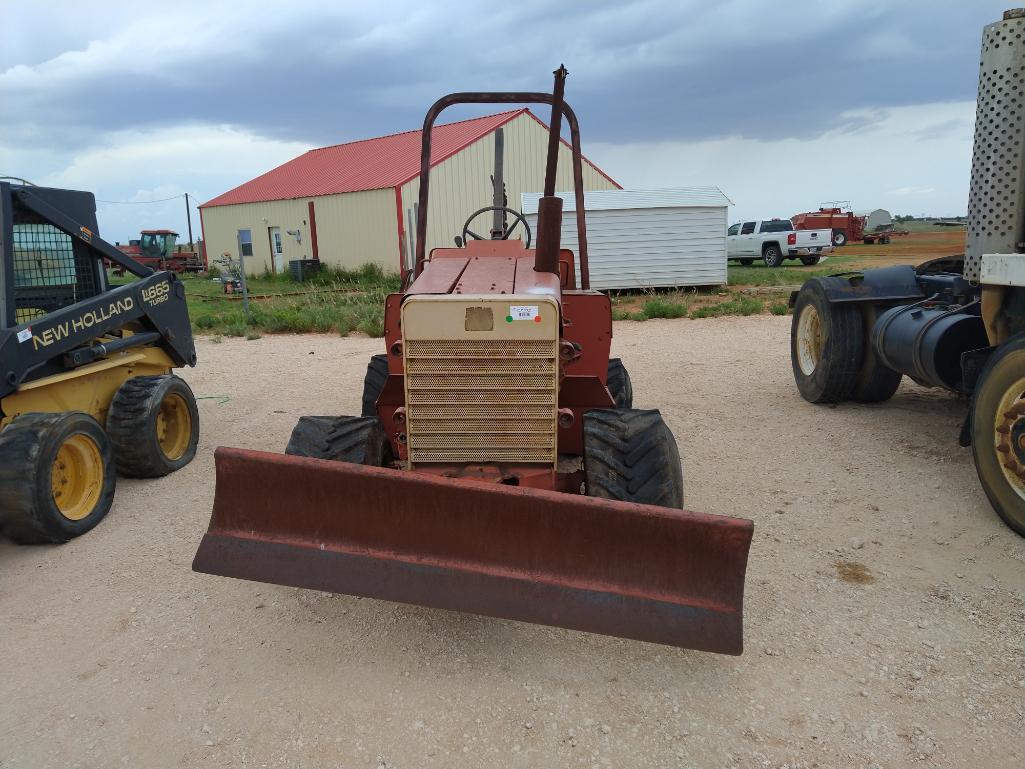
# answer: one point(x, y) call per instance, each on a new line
point(57, 477)
point(826, 344)
point(359, 440)
point(153, 423)
point(998, 431)
point(630, 455)
point(620, 387)
point(373, 383)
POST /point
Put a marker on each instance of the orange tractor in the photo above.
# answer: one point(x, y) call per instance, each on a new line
point(498, 466)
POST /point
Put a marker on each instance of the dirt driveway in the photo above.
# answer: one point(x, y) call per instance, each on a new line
point(884, 612)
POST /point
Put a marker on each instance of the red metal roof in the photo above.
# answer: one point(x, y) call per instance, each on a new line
point(368, 164)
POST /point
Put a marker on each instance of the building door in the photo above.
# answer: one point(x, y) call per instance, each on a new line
point(276, 251)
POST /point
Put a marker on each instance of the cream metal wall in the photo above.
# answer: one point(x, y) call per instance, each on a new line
point(352, 229)
point(462, 184)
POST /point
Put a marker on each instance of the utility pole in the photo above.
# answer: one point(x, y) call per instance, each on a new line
point(188, 218)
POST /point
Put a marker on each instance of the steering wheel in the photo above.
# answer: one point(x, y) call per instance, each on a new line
point(508, 230)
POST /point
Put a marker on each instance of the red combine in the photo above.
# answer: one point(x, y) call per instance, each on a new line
point(498, 466)
point(157, 250)
point(847, 226)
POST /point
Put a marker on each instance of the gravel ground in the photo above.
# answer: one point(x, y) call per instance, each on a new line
point(884, 604)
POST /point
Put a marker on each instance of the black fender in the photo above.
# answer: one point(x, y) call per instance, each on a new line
point(883, 284)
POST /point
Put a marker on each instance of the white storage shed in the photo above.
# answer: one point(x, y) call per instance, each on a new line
point(648, 238)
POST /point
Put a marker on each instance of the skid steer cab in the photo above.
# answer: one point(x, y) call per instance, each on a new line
point(86, 384)
point(498, 466)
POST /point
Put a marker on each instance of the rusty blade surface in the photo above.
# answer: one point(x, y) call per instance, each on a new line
point(616, 568)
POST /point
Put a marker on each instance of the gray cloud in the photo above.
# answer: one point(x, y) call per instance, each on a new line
point(643, 71)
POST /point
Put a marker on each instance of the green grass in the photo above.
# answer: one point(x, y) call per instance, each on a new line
point(790, 274)
point(735, 305)
point(332, 301)
point(779, 308)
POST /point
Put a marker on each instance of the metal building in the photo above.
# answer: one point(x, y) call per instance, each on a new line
point(350, 204)
point(648, 238)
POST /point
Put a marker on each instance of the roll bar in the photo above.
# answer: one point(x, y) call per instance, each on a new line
point(512, 97)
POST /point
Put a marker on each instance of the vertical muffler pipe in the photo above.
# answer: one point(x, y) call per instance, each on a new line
point(549, 234)
point(549, 207)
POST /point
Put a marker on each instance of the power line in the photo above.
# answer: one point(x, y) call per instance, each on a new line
point(139, 202)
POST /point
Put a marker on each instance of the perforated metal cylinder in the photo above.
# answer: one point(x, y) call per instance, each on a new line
point(996, 200)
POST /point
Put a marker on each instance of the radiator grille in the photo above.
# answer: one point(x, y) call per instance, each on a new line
point(481, 401)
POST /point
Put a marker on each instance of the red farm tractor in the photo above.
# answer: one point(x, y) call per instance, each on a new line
point(497, 467)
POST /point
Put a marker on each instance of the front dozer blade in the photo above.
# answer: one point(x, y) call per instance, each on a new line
point(616, 568)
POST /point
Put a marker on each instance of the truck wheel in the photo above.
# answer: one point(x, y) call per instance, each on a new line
point(998, 431)
point(826, 343)
point(359, 440)
point(630, 455)
point(772, 256)
point(153, 425)
point(839, 238)
point(620, 387)
point(876, 382)
point(373, 383)
point(57, 477)
point(809, 261)
point(746, 262)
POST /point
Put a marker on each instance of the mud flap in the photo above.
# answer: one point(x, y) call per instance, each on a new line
point(622, 569)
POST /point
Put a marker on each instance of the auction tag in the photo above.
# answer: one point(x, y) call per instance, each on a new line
point(523, 311)
point(25, 334)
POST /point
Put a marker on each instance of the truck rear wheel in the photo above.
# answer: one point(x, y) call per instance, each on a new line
point(809, 261)
point(630, 455)
point(772, 256)
point(359, 440)
point(620, 387)
point(998, 432)
point(826, 343)
point(373, 383)
point(876, 382)
point(153, 425)
point(746, 262)
point(57, 477)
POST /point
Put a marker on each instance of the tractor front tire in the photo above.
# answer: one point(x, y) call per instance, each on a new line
point(630, 455)
point(153, 423)
point(373, 383)
point(772, 256)
point(998, 431)
point(826, 342)
point(620, 387)
point(57, 477)
point(359, 440)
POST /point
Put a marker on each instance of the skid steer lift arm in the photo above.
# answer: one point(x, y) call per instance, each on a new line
point(43, 329)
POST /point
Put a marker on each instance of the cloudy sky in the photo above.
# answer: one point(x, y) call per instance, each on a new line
point(784, 105)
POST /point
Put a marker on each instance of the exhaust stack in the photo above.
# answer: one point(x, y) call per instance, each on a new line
point(549, 207)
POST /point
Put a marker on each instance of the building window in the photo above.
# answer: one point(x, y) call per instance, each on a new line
point(245, 242)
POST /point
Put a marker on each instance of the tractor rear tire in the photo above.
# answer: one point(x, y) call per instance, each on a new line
point(153, 423)
point(826, 343)
point(373, 383)
point(57, 477)
point(620, 387)
point(359, 440)
point(772, 256)
point(631, 456)
point(998, 431)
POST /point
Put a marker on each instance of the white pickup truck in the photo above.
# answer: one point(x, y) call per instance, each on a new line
point(773, 240)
